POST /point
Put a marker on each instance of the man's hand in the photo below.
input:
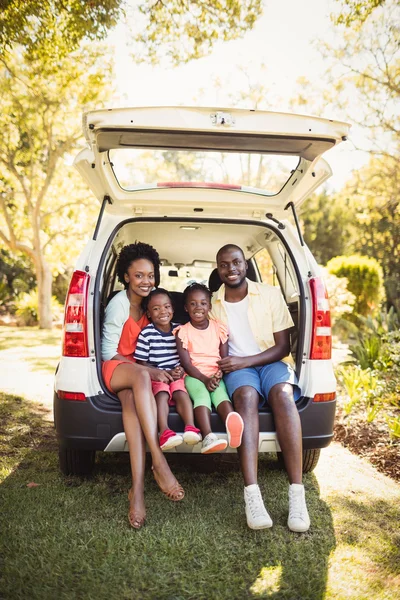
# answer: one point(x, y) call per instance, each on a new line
point(160, 375)
point(177, 372)
point(232, 363)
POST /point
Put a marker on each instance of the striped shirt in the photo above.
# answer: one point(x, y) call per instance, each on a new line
point(157, 347)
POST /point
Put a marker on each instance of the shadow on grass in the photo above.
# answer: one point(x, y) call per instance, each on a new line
point(69, 538)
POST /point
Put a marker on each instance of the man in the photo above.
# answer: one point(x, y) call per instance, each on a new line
point(255, 372)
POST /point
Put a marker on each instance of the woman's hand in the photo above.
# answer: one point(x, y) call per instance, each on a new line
point(160, 375)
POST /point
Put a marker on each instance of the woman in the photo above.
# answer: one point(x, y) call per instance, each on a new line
point(138, 269)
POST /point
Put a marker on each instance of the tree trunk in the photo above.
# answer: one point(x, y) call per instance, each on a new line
point(44, 285)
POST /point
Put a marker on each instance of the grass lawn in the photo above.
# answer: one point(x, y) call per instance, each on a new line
point(68, 538)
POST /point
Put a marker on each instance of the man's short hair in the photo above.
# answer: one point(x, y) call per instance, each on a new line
point(230, 247)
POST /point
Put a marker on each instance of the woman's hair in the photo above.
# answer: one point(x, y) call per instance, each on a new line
point(157, 292)
point(194, 287)
point(133, 252)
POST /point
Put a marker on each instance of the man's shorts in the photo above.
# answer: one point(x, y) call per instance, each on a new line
point(263, 379)
point(170, 388)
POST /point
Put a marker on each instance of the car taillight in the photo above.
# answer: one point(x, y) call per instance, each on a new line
point(75, 327)
point(71, 395)
point(321, 341)
point(325, 397)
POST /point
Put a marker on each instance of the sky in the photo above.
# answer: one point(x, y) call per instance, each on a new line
point(282, 47)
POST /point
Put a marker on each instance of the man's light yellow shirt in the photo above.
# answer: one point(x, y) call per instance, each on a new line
point(267, 313)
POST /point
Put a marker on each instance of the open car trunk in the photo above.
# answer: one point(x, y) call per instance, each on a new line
point(187, 248)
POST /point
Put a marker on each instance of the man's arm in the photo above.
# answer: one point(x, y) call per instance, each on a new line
point(273, 354)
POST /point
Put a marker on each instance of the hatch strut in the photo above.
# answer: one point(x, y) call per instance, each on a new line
point(296, 221)
point(103, 205)
point(300, 234)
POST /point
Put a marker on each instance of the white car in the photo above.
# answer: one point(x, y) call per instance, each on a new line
point(187, 181)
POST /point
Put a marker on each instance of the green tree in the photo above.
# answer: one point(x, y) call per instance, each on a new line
point(327, 225)
point(177, 30)
point(40, 112)
point(374, 203)
point(354, 12)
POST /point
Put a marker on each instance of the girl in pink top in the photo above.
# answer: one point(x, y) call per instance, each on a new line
point(201, 344)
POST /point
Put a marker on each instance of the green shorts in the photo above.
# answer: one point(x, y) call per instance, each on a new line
point(200, 395)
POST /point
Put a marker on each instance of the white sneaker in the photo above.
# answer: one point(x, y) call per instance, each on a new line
point(256, 513)
point(212, 443)
point(298, 515)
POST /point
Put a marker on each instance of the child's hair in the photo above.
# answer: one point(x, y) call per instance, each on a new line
point(193, 287)
point(133, 252)
point(157, 292)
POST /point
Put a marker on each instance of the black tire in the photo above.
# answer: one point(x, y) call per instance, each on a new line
point(310, 459)
point(76, 462)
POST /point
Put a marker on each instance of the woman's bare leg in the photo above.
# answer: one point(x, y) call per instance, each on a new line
point(137, 379)
point(137, 455)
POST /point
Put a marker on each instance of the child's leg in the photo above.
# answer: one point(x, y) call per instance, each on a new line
point(184, 406)
point(162, 410)
point(202, 403)
point(233, 421)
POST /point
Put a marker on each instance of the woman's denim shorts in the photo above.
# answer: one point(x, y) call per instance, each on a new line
point(263, 379)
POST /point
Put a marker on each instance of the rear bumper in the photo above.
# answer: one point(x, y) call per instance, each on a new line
point(83, 425)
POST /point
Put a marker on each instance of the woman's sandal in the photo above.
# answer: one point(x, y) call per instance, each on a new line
point(174, 493)
point(136, 520)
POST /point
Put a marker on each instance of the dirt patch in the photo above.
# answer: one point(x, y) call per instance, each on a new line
point(369, 440)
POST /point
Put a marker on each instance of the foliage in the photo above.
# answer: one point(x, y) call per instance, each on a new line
point(16, 276)
point(182, 31)
point(355, 12)
point(364, 277)
point(373, 380)
point(341, 300)
point(50, 30)
point(367, 351)
point(41, 204)
point(363, 78)
point(374, 203)
point(326, 224)
point(27, 309)
point(362, 386)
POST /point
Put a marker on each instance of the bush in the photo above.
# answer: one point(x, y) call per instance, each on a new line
point(341, 300)
point(28, 309)
point(365, 281)
point(16, 277)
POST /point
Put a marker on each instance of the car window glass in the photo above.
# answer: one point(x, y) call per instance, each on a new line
point(136, 167)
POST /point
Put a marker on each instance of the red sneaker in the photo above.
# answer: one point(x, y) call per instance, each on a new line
point(169, 439)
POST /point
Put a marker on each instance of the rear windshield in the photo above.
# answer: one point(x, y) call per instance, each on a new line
point(135, 167)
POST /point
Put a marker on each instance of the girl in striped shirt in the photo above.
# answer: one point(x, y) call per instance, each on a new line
point(156, 348)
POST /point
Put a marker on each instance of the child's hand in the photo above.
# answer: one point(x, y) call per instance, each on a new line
point(218, 375)
point(211, 384)
point(177, 372)
point(160, 375)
